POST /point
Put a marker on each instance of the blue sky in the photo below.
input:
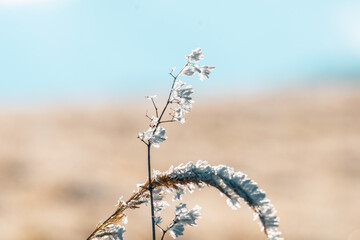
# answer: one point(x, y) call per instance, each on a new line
point(79, 49)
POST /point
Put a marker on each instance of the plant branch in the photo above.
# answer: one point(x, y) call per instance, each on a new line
point(156, 109)
point(151, 194)
point(168, 100)
point(163, 235)
point(149, 147)
point(167, 121)
point(146, 115)
point(143, 141)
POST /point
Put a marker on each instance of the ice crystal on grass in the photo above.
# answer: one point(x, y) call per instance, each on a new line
point(158, 220)
point(177, 230)
point(159, 203)
point(205, 71)
point(111, 232)
point(189, 71)
point(146, 136)
point(195, 55)
point(236, 186)
point(180, 98)
point(178, 193)
point(153, 138)
point(158, 137)
point(151, 97)
point(183, 216)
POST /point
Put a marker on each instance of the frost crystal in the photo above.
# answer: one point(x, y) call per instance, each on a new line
point(205, 71)
point(188, 71)
point(151, 97)
point(159, 203)
point(179, 192)
point(145, 136)
point(125, 219)
point(177, 231)
point(181, 97)
point(234, 185)
point(158, 137)
point(183, 216)
point(154, 121)
point(179, 114)
point(153, 138)
point(195, 56)
point(158, 220)
point(111, 232)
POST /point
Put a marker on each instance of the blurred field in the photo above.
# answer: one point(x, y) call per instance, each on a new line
point(62, 168)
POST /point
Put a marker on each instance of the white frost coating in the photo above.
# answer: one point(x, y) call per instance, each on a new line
point(158, 137)
point(125, 219)
point(234, 185)
point(151, 97)
point(183, 216)
point(195, 55)
point(111, 232)
point(159, 203)
point(177, 230)
point(181, 97)
point(151, 137)
point(205, 71)
point(158, 220)
point(188, 71)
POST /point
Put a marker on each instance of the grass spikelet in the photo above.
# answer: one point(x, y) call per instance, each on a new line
point(234, 185)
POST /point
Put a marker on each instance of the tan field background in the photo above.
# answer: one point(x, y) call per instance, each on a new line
point(63, 168)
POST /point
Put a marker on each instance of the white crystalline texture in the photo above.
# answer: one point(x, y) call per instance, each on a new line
point(179, 192)
point(205, 71)
point(146, 136)
point(181, 96)
point(180, 92)
point(158, 220)
point(183, 216)
point(195, 56)
point(185, 92)
point(179, 114)
point(158, 196)
point(111, 232)
point(125, 219)
point(151, 97)
point(158, 137)
point(154, 121)
point(188, 71)
point(177, 231)
point(234, 185)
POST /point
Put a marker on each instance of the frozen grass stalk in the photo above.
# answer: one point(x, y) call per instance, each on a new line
point(235, 186)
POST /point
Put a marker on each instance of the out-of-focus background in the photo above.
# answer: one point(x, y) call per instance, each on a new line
point(282, 105)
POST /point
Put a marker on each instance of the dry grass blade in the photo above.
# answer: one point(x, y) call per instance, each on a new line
point(235, 185)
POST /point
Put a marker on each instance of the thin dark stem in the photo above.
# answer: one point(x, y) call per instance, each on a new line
point(143, 141)
point(149, 147)
point(160, 227)
point(151, 195)
point(156, 109)
point(163, 235)
point(167, 121)
point(168, 101)
point(146, 115)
